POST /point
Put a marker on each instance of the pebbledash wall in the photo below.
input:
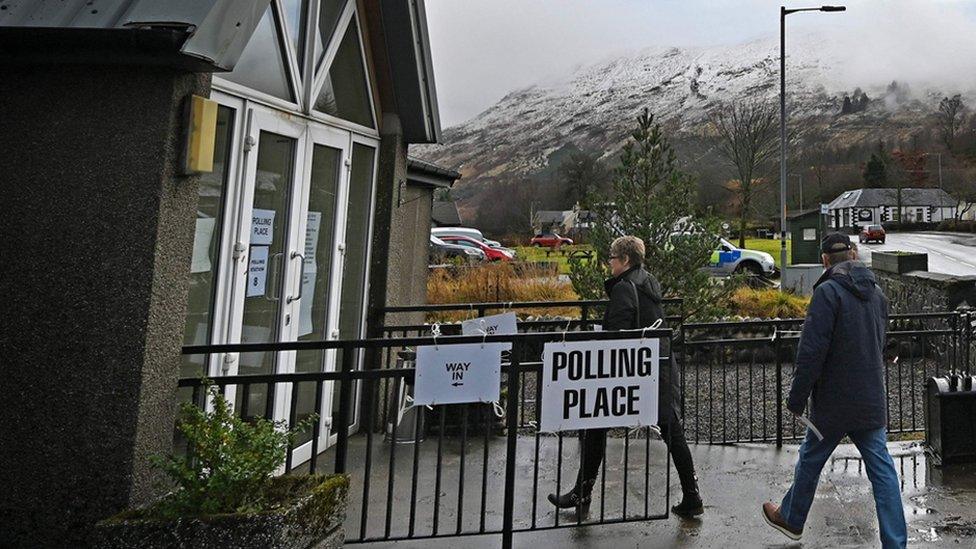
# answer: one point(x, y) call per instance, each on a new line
point(290, 236)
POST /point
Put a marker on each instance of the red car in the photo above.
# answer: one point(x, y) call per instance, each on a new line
point(491, 254)
point(872, 232)
point(550, 240)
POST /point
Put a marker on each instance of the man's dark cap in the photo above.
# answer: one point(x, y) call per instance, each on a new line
point(835, 242)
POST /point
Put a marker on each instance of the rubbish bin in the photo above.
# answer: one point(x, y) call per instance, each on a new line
point(409, 420)
point(950, 418)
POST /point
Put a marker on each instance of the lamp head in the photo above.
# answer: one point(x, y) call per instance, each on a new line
point(833, 8)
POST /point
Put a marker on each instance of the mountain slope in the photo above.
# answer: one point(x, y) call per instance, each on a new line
point(594, 108)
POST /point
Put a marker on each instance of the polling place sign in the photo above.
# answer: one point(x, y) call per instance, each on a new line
point(458, 374)
point(599, 384)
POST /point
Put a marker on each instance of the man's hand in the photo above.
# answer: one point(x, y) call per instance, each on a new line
point(796, 412)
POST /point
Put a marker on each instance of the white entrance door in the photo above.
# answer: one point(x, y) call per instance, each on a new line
point(323, 215)
point(268, 256)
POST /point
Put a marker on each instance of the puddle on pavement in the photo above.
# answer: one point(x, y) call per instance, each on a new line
point(927, 534)
point(912, 469)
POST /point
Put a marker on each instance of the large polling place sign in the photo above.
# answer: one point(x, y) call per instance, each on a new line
point(597, 384)
point(457, 374)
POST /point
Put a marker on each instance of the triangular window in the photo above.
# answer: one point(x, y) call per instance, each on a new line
point(293, 12)
point(262, 64)
point(329, 13)
point(345, 92)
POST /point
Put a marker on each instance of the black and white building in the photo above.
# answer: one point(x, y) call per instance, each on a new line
point(857, 208)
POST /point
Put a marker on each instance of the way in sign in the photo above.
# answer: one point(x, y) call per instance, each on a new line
point(457, 370)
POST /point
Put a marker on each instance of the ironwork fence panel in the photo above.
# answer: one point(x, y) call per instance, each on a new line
point(458, 470)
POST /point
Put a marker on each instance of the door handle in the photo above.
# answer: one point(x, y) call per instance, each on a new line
point(301, 275)
point(274, 296)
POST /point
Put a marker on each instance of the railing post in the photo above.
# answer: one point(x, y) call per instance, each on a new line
point(345, 402)
point(584, 316)
point(779, 393)
point(511, 425)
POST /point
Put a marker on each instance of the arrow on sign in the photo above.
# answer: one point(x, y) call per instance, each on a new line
point(456, 383)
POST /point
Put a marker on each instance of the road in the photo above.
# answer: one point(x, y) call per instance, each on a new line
point(950, 253)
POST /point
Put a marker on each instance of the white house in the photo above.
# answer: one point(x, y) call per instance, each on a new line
point(860, 207)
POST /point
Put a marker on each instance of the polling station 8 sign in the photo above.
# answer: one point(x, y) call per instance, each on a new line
point(599, 384)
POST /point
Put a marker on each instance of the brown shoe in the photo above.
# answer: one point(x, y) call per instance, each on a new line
point(773, 518)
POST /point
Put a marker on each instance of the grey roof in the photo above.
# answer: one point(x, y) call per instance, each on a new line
point(870, 198)
point(549, 216)
point(420, 172)
point(198, 34)
point(445, 214)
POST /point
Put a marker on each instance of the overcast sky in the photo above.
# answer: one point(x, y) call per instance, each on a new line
point(483, 49)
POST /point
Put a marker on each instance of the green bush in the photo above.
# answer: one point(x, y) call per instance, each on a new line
point(768, 303)
point(957, 226)
point(230, 462)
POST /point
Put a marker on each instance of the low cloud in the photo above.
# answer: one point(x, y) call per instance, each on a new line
point(484, 49)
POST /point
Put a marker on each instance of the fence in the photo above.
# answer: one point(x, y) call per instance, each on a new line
point(444, 482)
point(736, 375)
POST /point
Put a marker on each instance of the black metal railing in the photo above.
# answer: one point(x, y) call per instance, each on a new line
point(463, 471)
point(735, 376)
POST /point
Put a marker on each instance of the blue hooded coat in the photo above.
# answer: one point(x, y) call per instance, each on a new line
point(840, 358)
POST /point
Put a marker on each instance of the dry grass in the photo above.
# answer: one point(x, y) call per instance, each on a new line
point(496, 283)
point(768, 304)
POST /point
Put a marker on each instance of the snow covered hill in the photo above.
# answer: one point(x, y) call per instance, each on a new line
point(594, 108)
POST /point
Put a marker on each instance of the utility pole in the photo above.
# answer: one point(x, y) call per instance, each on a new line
point(783, 12)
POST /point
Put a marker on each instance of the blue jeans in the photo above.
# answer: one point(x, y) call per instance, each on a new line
point(881, 472)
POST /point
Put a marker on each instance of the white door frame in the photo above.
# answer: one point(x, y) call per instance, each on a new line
point(336, 139)
point(264, 119)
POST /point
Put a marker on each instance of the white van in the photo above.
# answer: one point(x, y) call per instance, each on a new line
point(464, 231)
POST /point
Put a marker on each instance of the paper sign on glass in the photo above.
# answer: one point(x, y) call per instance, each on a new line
point(600, 384)
point(312, 224)
point(305, 305)
point(457, 374)
point(262, 227)
point(201, 245)
point(257, 271)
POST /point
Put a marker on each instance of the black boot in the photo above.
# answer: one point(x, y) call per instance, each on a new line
point(578, 497)
point(690, 506)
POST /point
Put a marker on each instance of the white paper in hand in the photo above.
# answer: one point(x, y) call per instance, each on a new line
point(809, 424)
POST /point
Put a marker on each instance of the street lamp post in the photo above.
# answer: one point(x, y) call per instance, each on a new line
point(783, 12)
point(799, 178)
point(940, 165)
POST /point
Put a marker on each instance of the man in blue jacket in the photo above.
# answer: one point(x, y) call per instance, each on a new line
point(840, 364)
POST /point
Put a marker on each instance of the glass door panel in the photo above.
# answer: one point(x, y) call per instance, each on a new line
point(313, 322)
point(206, 246)
point(266, 259)
point(356, 240)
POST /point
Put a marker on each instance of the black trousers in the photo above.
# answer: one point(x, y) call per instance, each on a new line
point(594, 446)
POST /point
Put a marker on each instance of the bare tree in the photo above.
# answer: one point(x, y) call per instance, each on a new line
point(748, 141)
point(950, 119)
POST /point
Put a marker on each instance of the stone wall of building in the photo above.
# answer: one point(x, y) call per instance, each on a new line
point(924, 291)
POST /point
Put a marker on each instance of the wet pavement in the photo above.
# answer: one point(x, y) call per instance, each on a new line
point(940, 503)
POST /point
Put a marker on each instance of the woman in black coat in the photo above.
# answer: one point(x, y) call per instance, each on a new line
point(635, 302)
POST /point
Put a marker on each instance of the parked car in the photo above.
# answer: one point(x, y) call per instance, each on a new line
point(872, 232)
point(729, 259)
point(492, 254)
point(444, 252)
point(464, 231)
point(550, 240)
